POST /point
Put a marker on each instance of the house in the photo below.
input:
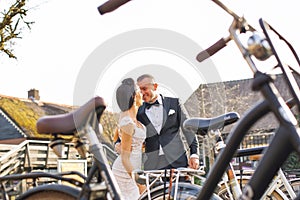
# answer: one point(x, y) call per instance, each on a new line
point(9, 129)
point(18, 117)
point(214, 99)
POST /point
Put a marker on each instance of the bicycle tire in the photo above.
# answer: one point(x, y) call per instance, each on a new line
point(50, 192)
point(222, 192)
point(185, 191)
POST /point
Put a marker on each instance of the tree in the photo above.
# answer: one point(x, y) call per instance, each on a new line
point(109, 123)
point(12, 23)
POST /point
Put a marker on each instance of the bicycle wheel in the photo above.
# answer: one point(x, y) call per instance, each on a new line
point(222, 192)
point(50, 192)
point(185, 191)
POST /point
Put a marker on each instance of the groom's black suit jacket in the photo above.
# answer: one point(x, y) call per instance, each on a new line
point(169, 137)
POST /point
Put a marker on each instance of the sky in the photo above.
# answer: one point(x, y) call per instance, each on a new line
point(73, 53)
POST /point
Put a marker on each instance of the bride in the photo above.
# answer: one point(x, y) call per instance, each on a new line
point(132, 134)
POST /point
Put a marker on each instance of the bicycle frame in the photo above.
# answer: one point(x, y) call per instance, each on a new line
point(286, 137)
point(101, 165)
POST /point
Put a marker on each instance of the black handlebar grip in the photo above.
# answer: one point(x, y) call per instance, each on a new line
point(111, 5)
point(211, 50)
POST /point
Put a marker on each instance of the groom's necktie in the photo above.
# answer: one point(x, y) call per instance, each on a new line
point(148, 105)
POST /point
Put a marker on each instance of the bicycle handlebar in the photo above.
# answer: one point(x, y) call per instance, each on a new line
point(220, 44)
point(110, 6)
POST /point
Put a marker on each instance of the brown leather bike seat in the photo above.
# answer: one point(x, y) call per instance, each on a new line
point(69, 122)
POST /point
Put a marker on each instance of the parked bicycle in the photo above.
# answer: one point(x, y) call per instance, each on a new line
point(232, 182)
point(158, 188)
point(286, 138)
point(280, 188)
point(83, 123)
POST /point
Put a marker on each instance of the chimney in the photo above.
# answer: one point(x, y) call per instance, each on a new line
point(33, 94)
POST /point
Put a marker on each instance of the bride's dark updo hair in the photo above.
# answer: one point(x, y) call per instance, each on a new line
point(125, 94)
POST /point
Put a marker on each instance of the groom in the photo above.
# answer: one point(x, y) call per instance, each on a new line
point(163, 119)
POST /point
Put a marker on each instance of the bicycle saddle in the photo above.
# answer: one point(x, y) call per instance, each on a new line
point(67, 123)
point(202, 125)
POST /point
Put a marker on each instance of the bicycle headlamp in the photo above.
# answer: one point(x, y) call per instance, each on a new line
point(259, 47)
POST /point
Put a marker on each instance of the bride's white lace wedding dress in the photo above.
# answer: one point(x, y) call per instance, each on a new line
point(127, 185)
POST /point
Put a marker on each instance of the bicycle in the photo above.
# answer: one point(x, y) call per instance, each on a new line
point(213, 142)
point(284, 187)
point(286, 138)
point(83, 123)
point(280, 188)
point(158, 188)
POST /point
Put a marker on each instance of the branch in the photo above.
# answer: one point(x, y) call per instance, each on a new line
point(9, 53)
point(10, 26)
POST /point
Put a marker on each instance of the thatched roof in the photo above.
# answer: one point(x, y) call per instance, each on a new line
point(24, 113)
point(20, 116)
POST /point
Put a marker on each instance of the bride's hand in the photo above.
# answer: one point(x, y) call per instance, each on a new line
point(142, 188)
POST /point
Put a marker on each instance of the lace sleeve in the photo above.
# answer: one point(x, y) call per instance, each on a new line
point(126, 125)
point(125, 121)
